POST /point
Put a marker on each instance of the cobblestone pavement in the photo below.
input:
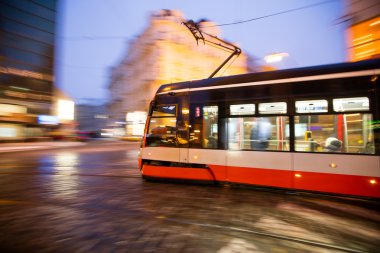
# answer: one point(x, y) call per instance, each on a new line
point(92, 199)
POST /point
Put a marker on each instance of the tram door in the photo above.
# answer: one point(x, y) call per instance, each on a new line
point(183, 128)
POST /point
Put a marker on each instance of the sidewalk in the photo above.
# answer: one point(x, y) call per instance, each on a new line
point(25, 146)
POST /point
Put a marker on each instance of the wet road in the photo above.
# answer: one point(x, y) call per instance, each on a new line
point(92, 199)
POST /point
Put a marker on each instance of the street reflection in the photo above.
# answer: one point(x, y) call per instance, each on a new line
point(66, 162)
point(239, 245)
point(65, 184)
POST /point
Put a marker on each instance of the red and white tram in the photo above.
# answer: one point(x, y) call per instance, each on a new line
point(314, 129)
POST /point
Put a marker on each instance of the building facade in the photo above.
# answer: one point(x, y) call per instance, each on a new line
point(165, 52)
point(91, 117)
point(27, 37)
point(363, 33)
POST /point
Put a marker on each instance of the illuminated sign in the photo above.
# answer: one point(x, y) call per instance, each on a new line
point(65, 109)
point(365, 43)
point(310, 106)
point(47, 120)
point(242, 109)
point(268, 108)
point(351, 104)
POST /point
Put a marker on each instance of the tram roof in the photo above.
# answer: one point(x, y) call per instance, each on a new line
point(275, 75)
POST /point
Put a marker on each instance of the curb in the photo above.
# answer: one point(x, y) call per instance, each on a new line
point(17, 147)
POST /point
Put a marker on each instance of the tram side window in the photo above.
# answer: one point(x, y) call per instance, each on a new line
point(162, 127)
point(204, 129)
point(346, 133)
point(258, 133)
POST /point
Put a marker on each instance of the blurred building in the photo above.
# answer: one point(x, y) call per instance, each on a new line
point(165, 52)
point(27, 101)
point(91, 118)
point(363, 33)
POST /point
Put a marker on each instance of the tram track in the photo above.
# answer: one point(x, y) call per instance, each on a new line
point(155, 216)
point(266, 234)
point(138, 214)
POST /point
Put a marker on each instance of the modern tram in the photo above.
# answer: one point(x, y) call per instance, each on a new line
point(314, 129)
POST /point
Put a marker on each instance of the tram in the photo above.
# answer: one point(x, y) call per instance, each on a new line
point(310, 129)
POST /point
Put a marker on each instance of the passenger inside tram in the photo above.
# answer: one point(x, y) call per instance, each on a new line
point(260, 134)
point(332, 144)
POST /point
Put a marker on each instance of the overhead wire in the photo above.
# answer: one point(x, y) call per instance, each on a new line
point(271, 15)
point(225, 24)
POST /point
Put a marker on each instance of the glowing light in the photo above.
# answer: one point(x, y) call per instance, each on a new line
point(275, 57)
point(365, 45)
point(365, 52)
point(373, 181)
point(106, 134)
point(136, 122)
point(362, 42)
point(65, 109)
point(298, 175)
point(195, 157)
point(333, 165)
point(363, 37)
point(185, 111)
point(375, 23)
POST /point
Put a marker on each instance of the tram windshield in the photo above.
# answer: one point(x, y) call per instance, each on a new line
point(162, 126)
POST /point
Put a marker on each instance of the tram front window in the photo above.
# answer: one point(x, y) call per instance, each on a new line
point(162, 127)
point(162, 132)
point(346, 133)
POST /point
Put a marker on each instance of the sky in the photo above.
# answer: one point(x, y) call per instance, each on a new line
point(93, 35)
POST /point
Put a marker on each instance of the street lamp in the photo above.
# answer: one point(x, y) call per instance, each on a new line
point(276, 57)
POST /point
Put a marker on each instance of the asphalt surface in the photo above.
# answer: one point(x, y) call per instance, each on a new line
point(91, 198)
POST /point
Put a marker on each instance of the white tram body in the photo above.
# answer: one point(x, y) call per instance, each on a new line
point(312, 129)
